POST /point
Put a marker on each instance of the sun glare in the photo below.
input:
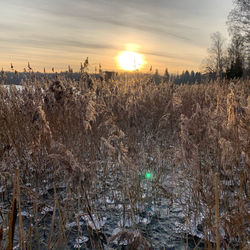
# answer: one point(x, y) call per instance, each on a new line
point(129, 60)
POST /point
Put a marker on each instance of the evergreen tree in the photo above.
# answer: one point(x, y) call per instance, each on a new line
point(166, 75)
point(192, 77)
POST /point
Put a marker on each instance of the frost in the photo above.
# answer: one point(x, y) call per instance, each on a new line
point(94, 222)
point(47, 209)
point(26, 214)
point(110, 201)
point(73, 224)
point(80, 241)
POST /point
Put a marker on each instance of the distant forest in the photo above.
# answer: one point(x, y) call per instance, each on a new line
point(17, 78)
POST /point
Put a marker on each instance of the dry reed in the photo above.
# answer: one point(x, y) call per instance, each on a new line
point(91, 136)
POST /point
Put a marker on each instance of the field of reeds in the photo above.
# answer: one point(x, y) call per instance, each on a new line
point(96, 164)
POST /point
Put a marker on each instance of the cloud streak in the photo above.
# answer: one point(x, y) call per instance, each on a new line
point(60, 44)
point(56, 43)
point(169, 29)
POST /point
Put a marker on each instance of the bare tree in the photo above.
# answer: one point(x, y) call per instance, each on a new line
point(239, 18)
point(239, 21)
point(216, 61)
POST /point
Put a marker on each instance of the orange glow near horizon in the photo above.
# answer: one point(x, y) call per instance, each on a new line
point(129, 60)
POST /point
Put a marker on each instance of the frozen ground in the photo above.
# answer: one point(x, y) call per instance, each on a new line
point(160, 221)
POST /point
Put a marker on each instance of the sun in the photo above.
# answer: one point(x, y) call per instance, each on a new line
point(130, 60)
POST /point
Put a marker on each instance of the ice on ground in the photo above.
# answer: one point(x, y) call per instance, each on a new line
point(94, 222)
point(18, 87)
point(80, 241)
point(26, 214)
point(119, 206)
point(129, 222)
point(145, 221)
point(109, 201)
point(123, 242)
point(47, 209)
point(73, 224)
point(16, 247)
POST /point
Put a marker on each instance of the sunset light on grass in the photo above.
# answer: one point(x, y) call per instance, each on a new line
point(124, 124)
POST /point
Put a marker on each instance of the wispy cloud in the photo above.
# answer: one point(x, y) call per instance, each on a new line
point(163, 28)
point(132, 14)
point(42, 42)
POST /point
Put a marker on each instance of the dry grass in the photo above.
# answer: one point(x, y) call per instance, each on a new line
point(93, 136)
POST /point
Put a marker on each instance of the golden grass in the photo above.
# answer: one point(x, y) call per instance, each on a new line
point(79, 134)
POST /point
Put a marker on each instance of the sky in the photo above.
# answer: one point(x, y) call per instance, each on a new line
point(173, 34)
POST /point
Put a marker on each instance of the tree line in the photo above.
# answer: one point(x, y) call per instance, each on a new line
point(185, 77)
point(232, 61)
point(224, 61)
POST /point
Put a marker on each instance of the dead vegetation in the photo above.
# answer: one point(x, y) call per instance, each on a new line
point(90, 137)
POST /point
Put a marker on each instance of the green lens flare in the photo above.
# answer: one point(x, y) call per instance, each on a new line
point(148, 175)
